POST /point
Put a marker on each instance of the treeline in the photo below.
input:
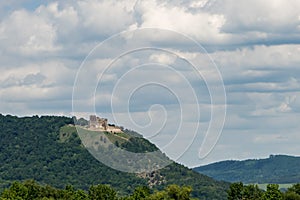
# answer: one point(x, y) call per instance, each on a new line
point(239, 191)
point(31, 190)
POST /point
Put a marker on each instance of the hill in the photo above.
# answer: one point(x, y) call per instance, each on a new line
point(48, 150)
point(281, 169)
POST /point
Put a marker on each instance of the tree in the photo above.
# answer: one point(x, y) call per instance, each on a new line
point(172, 192)
point(177, 193)
point(291, 196)
point(139, 193)
point(293, 193)
point(252, 192)
point(102, 192)
point(17, 191)
point(295, 188)
point(235, 191)
point(272, 193)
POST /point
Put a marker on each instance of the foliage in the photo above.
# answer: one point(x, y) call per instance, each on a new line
point(275, 169)
point(239, 191)
point(293, 193)
point(139, 145)
point(102, 192)
point(207, 188)
point(272, 193)
point(235, 191)
point(172, 192)
point(30, 190)
point(139, 193)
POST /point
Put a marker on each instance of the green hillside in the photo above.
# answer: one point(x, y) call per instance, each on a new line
point(48, 150)
point(280, 169)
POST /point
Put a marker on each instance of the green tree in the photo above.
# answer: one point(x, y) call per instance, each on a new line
point(172, 192)
point(102, 192)
point(272, 193)
point(177, 193)
point(295, 188)
point(235, 191)
point(293, 193)
point(141, 193)
point(252, 192)
point(17, 191)
point(291, 196)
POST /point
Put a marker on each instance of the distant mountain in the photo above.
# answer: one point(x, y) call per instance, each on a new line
point(275, 169)
point(48, 150)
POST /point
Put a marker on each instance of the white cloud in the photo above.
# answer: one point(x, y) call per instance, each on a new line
point(203, 26)
point(105, 17)
point(260, 56)
point(162, 59)
point(273, 16)
point(65, 20)
point(26, 33)
point(198, 3)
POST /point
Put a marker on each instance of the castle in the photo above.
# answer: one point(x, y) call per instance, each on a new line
point(97, 123)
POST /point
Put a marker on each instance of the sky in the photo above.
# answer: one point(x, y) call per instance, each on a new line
point(204, 80)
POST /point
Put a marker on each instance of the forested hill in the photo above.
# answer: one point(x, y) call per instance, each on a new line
point(48, 150)
point(275, 169)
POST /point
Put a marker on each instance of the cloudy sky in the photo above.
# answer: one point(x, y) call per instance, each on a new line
point(186, 74)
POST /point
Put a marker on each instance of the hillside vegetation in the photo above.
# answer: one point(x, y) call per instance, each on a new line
point(47, 149)
point(275, 169)
point(30, 190)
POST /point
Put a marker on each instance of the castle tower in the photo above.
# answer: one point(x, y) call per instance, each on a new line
point(93, 121)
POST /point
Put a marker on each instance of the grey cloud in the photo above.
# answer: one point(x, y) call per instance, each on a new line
point(33, 79)
point(30, 79)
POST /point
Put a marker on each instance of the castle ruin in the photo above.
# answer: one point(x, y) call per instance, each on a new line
point(97, 123)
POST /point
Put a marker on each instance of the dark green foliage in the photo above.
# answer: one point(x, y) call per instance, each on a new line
point(139, 145)
point(30, 190)
point(177, 193)
point(238, 191)
point(291, 196)
point(172, 192)
point(32, 148)
point(102, 192)
point(275, 169)
point(207, 188)
point(293, 193)
point(139, 193)
point(272, 193)
point(252, 192)
point(235, 191)
point(295, 188)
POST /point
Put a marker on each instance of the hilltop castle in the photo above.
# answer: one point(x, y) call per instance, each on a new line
point(97, 123)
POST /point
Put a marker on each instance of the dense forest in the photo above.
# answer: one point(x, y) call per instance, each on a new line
point(275, 169)
point(31, 190)
point(47, 150)
point(239, 191)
